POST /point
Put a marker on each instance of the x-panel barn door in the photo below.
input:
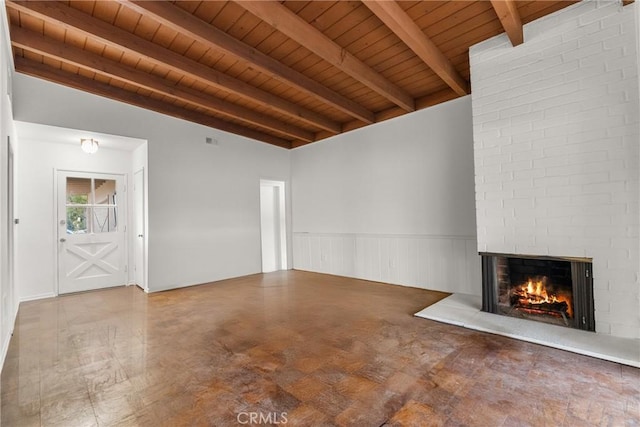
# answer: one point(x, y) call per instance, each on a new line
point(91, 237)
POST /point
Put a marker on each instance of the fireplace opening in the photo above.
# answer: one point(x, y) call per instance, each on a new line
point(539, 289)
point(553, 290)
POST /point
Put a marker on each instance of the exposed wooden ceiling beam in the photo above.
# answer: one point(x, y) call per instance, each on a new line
point(507, 12)
point(37, 43)
point(397, 20)
point(73, 19)
point(182, 21)
point(296, 28)
point(39, 70)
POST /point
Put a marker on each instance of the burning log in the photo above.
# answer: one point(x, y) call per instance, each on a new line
point(534, 296)
point(557, 307)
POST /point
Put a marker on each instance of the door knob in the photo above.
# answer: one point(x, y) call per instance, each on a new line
point(62, 240)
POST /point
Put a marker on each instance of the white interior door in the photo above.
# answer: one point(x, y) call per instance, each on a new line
point(91, 231)
point(138, 228)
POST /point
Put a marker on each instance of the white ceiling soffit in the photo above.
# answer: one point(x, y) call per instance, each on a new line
point(54, 134)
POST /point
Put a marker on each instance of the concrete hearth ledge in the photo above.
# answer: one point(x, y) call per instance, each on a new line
point(464, 310)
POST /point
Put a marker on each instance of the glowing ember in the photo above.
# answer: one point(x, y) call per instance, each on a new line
point(534, 295)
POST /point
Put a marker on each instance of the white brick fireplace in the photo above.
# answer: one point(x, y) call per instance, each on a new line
point(556, 142)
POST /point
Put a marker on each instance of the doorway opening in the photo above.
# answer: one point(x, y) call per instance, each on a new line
point(273, 228)
point(50, 151)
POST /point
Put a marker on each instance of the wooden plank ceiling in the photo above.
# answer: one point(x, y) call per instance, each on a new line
point(285, 73)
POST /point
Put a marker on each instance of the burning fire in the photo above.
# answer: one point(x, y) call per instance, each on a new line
point(534, 294)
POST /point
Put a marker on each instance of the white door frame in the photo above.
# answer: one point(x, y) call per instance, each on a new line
point(8, 300)
point(134, 233)
point(124, 217)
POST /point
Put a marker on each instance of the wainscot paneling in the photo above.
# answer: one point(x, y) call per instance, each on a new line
point(443, 263)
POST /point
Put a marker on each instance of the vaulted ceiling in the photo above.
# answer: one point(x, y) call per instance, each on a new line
point(285, 73)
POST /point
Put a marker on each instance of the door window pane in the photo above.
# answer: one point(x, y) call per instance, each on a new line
point(105, 191)
point(78, 191)
point(91, 205)
point(104, 219)
point(77, 220)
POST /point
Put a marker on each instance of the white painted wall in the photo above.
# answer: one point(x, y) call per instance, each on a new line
point(8, 295)
point(391, 202)
point(556, 140)
point(36, 261)
point(204, 200)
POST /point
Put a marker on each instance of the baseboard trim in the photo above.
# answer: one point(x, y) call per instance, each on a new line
point(37, 297)
point(139, 287)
